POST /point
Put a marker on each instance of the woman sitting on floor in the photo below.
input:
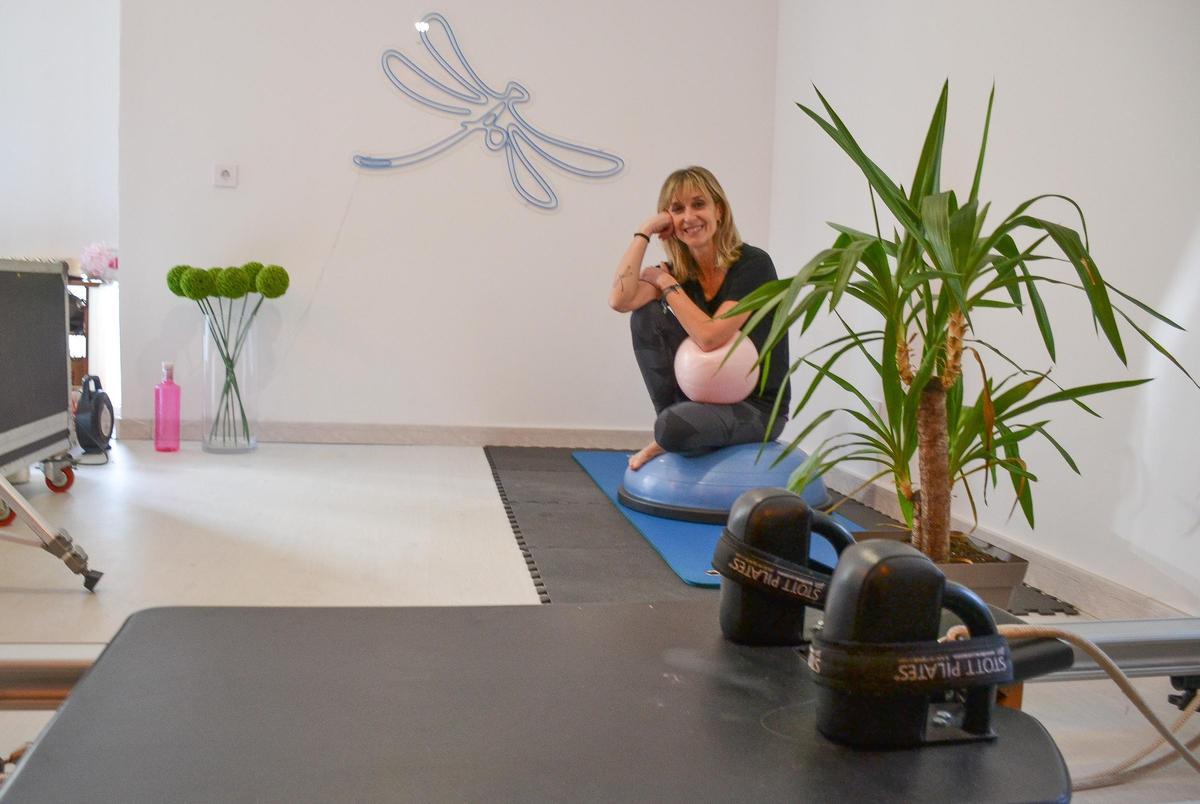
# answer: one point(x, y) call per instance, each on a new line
point(710, 270)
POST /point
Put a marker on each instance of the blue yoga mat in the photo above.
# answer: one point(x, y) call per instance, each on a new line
point(687, 547)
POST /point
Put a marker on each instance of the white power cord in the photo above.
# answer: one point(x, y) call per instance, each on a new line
point(1122, 772)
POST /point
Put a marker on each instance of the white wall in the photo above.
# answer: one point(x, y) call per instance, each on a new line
point(431, 295)
point(58, 131)
point(502, 319)
point(59, 79)
point(1095, 100)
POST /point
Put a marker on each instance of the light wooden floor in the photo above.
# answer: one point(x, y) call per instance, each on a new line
point(366, 525)
point(287, 525)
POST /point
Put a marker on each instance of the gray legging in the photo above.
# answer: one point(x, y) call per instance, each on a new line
point(682, 425)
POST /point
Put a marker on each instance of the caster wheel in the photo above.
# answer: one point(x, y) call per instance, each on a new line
point(68, 480)
point(7, 515)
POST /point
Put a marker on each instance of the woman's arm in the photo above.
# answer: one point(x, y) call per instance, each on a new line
point(753, 269)
point(708, 332)
point(630, 291)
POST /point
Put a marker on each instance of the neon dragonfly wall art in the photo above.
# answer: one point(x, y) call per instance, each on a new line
point(495, 117)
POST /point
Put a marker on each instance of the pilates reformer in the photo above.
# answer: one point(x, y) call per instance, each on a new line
point(531, 671)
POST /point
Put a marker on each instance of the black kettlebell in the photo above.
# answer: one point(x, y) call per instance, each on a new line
point(778, 522)
point(888, 594)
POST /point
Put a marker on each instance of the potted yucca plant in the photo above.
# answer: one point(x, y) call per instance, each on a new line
point(924, 283)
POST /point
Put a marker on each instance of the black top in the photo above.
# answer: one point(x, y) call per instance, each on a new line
point(752, 270)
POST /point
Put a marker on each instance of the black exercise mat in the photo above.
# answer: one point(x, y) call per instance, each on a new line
point(577, 545)
point(581, 550)
point(1027, 600)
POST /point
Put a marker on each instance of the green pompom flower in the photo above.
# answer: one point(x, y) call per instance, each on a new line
point(197, 283)
point(252, 269)
point(272, 281)
point(174, 276)
point(232, 283)
point(215, 273)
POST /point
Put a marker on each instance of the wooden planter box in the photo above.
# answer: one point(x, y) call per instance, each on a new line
point(995, 582)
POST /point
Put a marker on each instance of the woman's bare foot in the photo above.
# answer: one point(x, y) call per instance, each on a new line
point(648, 452)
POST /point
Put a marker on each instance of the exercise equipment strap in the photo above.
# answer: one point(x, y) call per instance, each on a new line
point(767, 572)
point(910, 667)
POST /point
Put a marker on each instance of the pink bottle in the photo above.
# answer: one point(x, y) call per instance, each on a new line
point(166, 411)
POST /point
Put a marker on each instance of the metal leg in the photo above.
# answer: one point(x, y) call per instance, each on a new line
point(57, 542)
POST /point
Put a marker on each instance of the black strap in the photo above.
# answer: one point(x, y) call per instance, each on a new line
point(767, 572)
point(911, 667)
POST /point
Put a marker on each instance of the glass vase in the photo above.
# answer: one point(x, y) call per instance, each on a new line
point(229, 411)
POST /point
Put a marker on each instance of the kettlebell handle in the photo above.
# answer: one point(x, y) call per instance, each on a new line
point(828, 527)
point(93, 381)
point(970, 608)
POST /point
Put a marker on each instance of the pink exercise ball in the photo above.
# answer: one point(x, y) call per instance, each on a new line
point(702, 377)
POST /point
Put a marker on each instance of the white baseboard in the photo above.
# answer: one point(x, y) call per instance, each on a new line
point(1090, 593)
point(415, 435)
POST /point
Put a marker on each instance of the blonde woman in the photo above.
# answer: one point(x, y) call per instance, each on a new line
point(709, 271)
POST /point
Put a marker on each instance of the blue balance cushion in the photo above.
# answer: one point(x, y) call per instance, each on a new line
point(703, 488)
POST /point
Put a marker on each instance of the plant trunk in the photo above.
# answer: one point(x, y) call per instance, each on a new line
point(932, 534)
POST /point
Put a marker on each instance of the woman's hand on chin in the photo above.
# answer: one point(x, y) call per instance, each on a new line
point(661, 225)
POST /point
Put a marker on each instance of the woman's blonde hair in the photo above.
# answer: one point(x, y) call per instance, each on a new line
point(727, 240)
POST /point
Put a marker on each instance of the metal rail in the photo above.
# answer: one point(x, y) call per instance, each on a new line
point(41, 676)
point(1141, 648)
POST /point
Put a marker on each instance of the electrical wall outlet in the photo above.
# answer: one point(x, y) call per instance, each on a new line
point(225, 174)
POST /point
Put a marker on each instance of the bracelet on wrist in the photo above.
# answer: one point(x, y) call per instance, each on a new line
point(669, 290)
point(642, 235)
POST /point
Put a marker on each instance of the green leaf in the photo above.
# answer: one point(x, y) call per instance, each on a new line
point(813, 425)
point(1066, 456)
point(1158, 347)
point(1075, 393)
point(906, 508)
point(891, 195)
point(851, 255)
point(1027, 204)
point(987, 123)
point(1004, 269)
point(1044, 375)
point(822, 373)
point(962, 237)
point(935, 219)
point(1020, 483)
point(846, 385)
point(1145, 308)
point(1040, 314)
point(927, 180)
point(1093, 285)
point(876, 260)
